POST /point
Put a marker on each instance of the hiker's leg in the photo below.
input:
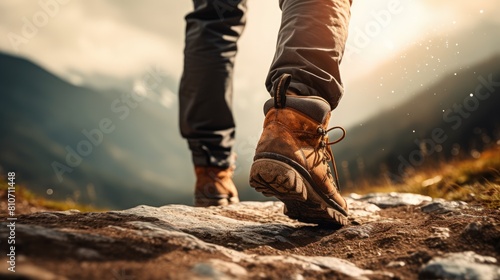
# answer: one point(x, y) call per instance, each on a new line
point(292, 157)
point(310, 46)
point(206, 89)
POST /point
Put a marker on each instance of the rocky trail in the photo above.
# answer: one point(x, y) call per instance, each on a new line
point(391, 236)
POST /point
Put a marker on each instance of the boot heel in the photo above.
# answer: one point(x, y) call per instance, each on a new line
point(278, 179)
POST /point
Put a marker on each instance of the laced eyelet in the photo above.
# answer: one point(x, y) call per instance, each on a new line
point(340, 138)
point(328, 152)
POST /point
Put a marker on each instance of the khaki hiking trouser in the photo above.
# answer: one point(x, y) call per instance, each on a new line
point(310, 46)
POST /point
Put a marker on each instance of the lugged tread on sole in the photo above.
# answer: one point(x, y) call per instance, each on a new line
point(275, 178)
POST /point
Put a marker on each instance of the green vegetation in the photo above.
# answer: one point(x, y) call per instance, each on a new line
point(24, 196)
point(470, 180)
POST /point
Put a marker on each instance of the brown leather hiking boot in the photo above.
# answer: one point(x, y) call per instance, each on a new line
point(214, 186)
point(292, 159)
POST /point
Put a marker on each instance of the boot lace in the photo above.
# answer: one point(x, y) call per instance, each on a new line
point(327, 150)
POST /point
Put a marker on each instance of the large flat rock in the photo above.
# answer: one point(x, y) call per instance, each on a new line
point(251, 240)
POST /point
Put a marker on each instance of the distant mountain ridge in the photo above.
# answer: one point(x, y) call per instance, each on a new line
point(47, 125)
point(452, 117)
point(415, 68)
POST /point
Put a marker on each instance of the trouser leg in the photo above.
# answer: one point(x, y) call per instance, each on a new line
point(206, 89)
point(310, 46)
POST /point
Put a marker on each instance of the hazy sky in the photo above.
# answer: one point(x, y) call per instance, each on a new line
point(117, 40)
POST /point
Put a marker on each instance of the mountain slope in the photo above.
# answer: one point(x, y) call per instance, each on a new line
point(414, 69)
point(43, 124)
point(394, 140)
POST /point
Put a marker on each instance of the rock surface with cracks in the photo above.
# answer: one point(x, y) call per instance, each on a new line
point(391, 236)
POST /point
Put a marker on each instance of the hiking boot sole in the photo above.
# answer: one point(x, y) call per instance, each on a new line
point(303, 201)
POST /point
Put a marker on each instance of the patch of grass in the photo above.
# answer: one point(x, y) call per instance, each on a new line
point(24, 195)
point(470, 180)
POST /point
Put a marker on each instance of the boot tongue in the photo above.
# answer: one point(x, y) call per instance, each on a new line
point(313, 106)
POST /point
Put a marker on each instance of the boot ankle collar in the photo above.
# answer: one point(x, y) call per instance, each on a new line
point(313, 106)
